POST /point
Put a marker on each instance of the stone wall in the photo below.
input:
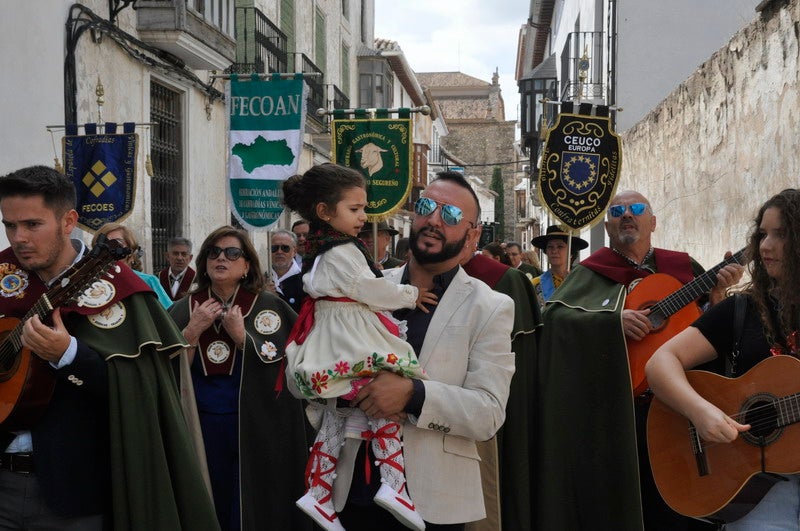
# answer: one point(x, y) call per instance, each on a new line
point(723, 141)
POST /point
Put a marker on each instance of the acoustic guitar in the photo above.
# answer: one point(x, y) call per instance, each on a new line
point(26, 380)
point(671, 311)
point(724, 481)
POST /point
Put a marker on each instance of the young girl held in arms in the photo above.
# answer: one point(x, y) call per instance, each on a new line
point(343, 338)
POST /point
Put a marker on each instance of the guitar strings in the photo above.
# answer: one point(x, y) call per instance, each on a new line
point(762, 416)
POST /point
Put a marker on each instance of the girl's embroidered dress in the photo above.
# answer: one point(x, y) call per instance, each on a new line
point(345, 337)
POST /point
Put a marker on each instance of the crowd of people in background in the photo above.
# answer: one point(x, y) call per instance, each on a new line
point(368, 379)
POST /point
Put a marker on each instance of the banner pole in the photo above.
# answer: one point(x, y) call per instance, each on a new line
point(282, 75)
point(424, 109)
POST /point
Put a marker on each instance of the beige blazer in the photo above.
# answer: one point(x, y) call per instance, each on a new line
point(467, 356)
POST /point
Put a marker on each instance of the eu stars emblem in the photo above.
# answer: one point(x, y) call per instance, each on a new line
point(579, 171)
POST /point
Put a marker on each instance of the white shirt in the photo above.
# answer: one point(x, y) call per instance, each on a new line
point(293, 270)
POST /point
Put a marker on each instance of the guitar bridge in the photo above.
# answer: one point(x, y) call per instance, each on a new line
point(697, 450)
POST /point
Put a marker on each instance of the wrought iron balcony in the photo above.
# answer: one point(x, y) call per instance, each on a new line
point(582, 68)
point(316, 96)
point(260, 45)
point(340, 99)
point(198, 32)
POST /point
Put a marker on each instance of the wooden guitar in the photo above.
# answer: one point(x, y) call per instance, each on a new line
point(671, 311)
point(723, 481)
point(26, 380)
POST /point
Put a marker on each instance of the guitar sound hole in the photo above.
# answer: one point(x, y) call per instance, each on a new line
point(760, 412)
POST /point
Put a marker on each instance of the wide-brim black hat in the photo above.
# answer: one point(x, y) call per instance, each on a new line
point(382, 225)
point(556, 232)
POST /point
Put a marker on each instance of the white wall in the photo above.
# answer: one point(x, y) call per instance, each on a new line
point(661, 43)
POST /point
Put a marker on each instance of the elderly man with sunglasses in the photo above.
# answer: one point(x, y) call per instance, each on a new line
point(591, 426)
point(285, 279)
point(464, 345)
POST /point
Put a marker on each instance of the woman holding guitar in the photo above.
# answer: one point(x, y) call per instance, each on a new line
point(770, 327)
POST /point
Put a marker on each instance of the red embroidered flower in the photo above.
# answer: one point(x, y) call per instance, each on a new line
point(391, 358)
point(342, 368)
point(319, 382)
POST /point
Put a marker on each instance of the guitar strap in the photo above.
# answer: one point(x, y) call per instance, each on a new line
point(739, 309)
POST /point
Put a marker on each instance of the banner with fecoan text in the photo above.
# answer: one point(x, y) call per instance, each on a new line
point(267, 119)
point(103, 169)
point(381, 150)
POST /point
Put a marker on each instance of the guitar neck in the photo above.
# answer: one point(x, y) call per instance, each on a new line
point(693, 290)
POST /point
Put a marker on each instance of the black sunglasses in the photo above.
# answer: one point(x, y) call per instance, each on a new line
point(285, 248)
point(231, 253)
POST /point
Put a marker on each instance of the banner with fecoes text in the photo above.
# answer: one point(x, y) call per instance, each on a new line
point(267, 120)
point(381, 150)
point(103, 169)
point(581, 161)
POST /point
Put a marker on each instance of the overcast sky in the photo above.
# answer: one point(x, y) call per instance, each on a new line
point(470, 36)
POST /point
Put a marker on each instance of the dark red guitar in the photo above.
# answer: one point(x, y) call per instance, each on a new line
point(725, 481)
point(671, 311)
point(26, 380)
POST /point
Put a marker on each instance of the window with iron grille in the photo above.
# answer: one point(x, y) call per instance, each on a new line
point(166, 185)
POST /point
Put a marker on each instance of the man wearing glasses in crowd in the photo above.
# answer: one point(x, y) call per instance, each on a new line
point(464, 345)
point(285, 279)
point(586, 401)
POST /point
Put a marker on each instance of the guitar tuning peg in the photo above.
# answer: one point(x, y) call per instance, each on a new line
point(117, 268)
point(109, 275)
point(64, 282)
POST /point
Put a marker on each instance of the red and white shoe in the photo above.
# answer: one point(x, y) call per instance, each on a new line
point(322, 513)
point(400, 505)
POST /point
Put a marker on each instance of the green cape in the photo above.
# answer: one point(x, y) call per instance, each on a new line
point(155, 474)
point(588, 475)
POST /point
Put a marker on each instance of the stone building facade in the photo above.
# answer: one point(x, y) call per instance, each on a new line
point(478, 132)
point(723, 141)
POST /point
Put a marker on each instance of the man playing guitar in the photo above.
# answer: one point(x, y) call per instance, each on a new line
point(585, 381)
point(88, 356)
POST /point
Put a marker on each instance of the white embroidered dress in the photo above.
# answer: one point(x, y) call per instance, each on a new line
point(348, 341)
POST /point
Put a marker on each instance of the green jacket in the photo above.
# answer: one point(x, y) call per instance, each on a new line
point(587, 470)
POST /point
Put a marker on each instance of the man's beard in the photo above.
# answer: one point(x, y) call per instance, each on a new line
point(448, 251)
point(628, 238)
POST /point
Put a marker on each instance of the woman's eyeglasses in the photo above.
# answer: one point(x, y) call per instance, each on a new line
point(426, 206)
point(231, 253)
point(637, 209)
point(284, 248)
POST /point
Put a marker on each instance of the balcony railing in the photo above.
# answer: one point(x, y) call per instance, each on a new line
point(260, 45)
point(340, 99)
point(316, 97)
point(582, 67)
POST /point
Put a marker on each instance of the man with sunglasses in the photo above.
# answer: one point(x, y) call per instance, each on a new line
point(585, 383)
point(464, 345)
point(285, 278)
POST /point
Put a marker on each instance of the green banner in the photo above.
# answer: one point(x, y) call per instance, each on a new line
point(267, 119)
point(381, 150)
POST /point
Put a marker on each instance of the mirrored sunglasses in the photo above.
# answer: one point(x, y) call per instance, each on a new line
point(637, 209)
point(231, 253)
point(285, 248)
point(450, 214)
